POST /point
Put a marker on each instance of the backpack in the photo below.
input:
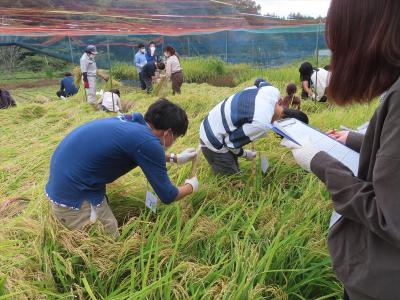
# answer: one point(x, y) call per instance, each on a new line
point(6, 101)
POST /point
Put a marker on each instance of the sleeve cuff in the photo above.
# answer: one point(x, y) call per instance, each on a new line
point(354, 141)
point(171, 196)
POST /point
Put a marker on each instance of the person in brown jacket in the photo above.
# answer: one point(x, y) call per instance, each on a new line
point(173, 69)
point(364, 240)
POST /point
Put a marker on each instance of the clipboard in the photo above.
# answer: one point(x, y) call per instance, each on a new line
point(297, 132)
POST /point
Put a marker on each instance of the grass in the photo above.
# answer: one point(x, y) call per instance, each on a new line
point(198, 70)
point(210, 70)
point(243, 237)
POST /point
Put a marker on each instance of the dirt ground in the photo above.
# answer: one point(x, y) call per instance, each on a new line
point(29, 84)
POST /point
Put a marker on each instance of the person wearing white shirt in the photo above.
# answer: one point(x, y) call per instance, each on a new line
point(239, 120)
point(111, 101)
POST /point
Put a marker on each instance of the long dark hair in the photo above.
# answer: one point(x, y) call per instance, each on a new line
point(365, 44)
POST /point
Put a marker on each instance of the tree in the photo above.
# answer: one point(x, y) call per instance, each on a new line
point(246, 6)
point(10, 57)
point(299, 16)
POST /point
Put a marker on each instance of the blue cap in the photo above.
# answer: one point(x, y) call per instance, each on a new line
point(92, 49)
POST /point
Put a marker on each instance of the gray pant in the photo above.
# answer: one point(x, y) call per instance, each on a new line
point(221, 163)
point(79, 219)
point(91, 91)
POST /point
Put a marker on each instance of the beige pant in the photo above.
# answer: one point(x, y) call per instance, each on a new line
point(78, 219)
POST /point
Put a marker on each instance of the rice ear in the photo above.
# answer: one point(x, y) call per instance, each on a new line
point(77, 76)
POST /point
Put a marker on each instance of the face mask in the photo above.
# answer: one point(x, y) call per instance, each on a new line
point(152, 49)
point(143, 50)
point(166, 55)
point(92, 56)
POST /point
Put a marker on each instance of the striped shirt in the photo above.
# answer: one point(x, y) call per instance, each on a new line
point(240, 119)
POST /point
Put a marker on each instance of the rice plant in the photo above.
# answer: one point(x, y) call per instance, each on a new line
point(239, 237)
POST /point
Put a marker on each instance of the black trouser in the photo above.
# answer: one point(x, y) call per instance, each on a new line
point(148, 82)
point(62, 93)
point(142, 82)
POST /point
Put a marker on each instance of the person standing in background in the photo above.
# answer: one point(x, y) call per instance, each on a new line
point(89, 72)
point(173, 69)
point(364, 237)
point(139, 62)
point(152, 54)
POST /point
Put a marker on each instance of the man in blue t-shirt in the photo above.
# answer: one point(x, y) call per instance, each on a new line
point(67, 88)
point(99, 152)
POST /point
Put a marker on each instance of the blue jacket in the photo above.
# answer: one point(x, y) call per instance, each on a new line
point(140, 61)
point(101, 151)
point(151, 58)
point(68, 86)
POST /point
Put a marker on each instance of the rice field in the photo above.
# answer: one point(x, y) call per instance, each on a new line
point(240, 237)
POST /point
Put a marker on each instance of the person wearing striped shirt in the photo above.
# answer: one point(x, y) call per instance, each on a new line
point(237, 121)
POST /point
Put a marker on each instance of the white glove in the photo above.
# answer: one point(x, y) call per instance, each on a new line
point(249, 155)
point(186, 156)
point(303, 155)
point(194, 183)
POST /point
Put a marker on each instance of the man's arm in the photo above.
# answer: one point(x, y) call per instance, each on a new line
point(183, 191)
point(151, 159)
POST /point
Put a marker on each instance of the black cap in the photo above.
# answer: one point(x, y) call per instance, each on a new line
point(258, 81)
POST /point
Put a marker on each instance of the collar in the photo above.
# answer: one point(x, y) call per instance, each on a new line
point(134, 117)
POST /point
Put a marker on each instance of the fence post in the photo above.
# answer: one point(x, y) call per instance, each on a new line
point(109, 66)
point(226, 46)
point(188, 46)
point(317, 53)
point(70, 49)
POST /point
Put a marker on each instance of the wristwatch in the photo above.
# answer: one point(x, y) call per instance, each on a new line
point(171, 157)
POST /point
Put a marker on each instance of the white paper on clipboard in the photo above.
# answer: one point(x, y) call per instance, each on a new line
point(297, 131)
